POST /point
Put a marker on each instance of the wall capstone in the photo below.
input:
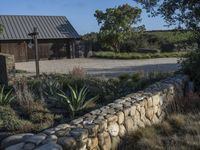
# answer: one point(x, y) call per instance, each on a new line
point(103, 128)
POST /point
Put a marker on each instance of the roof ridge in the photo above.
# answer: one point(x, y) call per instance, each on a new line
point(35, 15)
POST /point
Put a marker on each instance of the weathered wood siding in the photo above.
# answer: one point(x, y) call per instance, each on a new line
point(48, 49)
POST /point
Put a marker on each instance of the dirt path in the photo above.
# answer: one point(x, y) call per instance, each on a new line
point(102, 67)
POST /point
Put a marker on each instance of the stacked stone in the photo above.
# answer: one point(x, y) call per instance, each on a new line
point(10, 62)
point(102, 129)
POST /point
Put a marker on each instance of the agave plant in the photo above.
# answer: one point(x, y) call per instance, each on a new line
point(50, 88)
point(76, 101)
point(5, 97)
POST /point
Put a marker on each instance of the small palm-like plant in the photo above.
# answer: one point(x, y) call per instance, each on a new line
point(5, 97)
point(77, 99)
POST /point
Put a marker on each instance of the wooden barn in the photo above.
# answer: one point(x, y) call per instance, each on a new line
point(56, 37)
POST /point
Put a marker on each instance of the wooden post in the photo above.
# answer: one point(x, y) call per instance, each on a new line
point(72, 49)
point(34, 36)
point(36, 53)
point(3, 70)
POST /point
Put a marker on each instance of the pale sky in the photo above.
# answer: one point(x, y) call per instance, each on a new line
point(79, 12)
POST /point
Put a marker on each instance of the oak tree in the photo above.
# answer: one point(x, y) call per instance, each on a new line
point(116, 25)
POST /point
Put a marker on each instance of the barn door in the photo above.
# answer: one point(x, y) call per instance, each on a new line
point(16, 49)
point(43, 49)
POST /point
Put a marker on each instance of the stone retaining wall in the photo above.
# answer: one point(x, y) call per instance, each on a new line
point(103, 128)
point(10, 62)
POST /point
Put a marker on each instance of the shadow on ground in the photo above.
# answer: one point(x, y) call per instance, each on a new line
point(114, 72)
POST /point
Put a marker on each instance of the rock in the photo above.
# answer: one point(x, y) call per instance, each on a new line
point(140, 124)
point(127, 104)
point(150, 113)
point(111, 118)
point(129, 125)
point(15, 147)
point(122, 130)
point(36, 139)
point(127, 111)
point(67, 143)
point(118, 106)
point(14, 139)
point(50, 146)
point(102, 124)
point(113, 129)
point(79, 133)
point(120, 117)
point(150, 102)
point(155, 120)
point(63, 126)
point(115, 142)
point(136, 117)
point(156, 109)
point(49, 131)
point(142, 113)
point(4, 135)
point(92, 129)
point(95, 112)
point(77, 121)
point(92, 143)
point(64, 132)
point(133, 109)
point(50, 139)
point(156, 100)
point(29, 146)
point(138, 107)
point(104, 141)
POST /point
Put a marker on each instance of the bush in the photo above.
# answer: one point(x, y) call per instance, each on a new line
point(5, 97)
point(136, 55)
point(78, 72)
point(190, 66)
point(11, 122)
point(76, 100)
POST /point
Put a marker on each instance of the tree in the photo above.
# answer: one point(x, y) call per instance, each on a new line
point(181, 13)
point(116, 25)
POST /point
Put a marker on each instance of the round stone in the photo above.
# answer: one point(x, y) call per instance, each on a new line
point(113, 129)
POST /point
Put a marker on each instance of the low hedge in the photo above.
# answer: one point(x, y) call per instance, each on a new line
point(135, 55)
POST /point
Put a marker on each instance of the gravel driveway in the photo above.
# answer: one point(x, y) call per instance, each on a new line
point(102, 67)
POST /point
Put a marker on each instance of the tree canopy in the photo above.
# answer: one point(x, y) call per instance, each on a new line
point(182, 13)
point(116, 25)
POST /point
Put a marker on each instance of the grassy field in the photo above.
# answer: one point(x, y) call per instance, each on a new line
point(173, 37)
point(134, 55)
point(179, 131)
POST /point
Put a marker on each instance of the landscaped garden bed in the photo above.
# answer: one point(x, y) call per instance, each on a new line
point(137, 55)
point(33, 104)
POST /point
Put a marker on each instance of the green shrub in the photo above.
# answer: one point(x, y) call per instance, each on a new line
point(137, 55)
point(76, 101)
point(40, 117)
point(5, 97)
point(11, 122)
point(124, 77)
point(190, 66)
point(137, 76)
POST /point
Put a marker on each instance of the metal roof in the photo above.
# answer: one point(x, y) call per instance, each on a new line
point(49, 27)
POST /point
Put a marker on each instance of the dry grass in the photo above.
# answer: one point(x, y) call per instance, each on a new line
point(180, 130)
point(78, 72)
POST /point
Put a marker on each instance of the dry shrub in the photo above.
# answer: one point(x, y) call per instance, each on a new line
point(187, 104)
point(142, 139)
point(177, 121)
point(78, 72)
point(164, 128)
point(22, 91)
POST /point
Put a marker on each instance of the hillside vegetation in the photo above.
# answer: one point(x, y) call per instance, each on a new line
point(165, 41)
